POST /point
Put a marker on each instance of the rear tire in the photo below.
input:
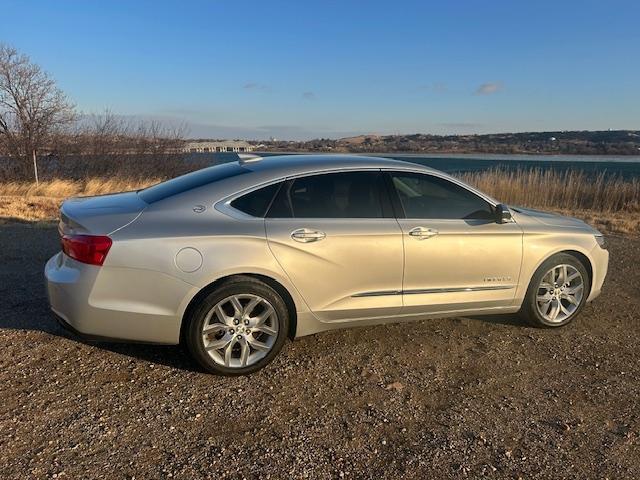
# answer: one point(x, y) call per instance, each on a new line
point(238, 328)
point(557, 292)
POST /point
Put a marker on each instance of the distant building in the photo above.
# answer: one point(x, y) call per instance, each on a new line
point(221, 146)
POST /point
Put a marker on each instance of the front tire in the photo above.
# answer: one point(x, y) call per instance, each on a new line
point(238, 328)
point(557, 292)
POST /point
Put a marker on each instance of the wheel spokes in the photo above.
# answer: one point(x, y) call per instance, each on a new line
point(562, 279)
point(251, 306)
point(545, 298)
point(265, 329)
point(574, 290)
point(266, 313)
point(222, 316)
point(563, 309)
point(237, 306)
point(573, 276)
point(244, 351)
point(246, 327)
point(258, 345)
point(218, 344)
point(561, 283)
point(214, 328)
point(572, 299)
point(555, 309)
point(228, 352)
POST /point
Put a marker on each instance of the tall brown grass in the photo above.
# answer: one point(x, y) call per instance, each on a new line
point(604, 200)
point(71, 188)
point(567, 190)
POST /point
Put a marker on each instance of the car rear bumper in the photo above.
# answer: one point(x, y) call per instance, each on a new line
point(122, 304)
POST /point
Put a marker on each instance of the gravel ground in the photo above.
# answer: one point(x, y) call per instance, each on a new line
point(435, 399)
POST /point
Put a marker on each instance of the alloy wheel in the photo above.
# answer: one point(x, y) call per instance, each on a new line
point(560, 293)
point(240, 330)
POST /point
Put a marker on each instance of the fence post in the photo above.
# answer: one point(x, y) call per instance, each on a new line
point(35, 166)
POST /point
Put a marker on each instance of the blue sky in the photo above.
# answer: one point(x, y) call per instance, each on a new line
point(305, 69)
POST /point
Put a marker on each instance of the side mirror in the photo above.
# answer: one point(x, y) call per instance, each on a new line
point(503, 214)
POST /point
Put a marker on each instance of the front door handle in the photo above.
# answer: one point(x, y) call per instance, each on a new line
point(422, 233)
point(306, 235)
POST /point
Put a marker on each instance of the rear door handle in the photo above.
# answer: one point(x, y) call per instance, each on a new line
point(422, 233)
point(306, 235)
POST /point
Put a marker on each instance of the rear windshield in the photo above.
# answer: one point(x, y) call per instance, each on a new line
point(190, 181)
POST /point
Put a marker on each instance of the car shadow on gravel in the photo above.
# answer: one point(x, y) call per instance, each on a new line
point(503, 319)
point(175, 356)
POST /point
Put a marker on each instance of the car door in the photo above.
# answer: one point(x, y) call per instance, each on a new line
point(457, 257)
point(335, 236)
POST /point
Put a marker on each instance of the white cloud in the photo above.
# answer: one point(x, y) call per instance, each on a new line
point(489, 88)
point(256, 86)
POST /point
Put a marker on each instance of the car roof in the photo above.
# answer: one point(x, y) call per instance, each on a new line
point(286, 165)
point(261, 171)
point(274, 167)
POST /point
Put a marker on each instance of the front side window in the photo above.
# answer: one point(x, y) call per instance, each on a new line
point(428, 196)
point(330, 195)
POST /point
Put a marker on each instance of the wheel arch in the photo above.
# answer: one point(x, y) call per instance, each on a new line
point(585, 261)
point(543, 251)
point(272, 282)
point(578, 255)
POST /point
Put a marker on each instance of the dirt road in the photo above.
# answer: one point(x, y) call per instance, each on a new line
point(435, 399)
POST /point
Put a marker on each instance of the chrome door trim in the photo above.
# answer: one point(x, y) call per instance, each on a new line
point(377, 294)
point(460, 289)
point(433, 290)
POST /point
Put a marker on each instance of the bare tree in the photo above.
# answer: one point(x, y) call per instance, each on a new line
point(109, 134)
point(32, 107)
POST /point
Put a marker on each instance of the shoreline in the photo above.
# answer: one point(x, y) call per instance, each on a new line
point(470, 155)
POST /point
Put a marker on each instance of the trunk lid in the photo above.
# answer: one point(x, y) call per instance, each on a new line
point(100, 215)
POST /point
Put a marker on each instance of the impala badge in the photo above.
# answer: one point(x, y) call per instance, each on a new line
point(199, 208)
point(497, 279)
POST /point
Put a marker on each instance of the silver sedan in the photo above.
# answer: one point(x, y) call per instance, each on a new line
point(233, 259)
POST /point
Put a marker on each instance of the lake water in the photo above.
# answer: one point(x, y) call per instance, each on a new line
point(627, 167)
point(624, 166)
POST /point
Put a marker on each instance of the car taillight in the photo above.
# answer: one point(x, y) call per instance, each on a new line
point(91, 249)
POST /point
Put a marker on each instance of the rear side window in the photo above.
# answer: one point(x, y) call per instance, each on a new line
point(190, 181)
point(257, 202)
point(428, 196)
point(331, 195)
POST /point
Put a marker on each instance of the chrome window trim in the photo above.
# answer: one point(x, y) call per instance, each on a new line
point(444, 176)
point(224, 205)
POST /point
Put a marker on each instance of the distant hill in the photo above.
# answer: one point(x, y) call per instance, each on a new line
point(609, 142)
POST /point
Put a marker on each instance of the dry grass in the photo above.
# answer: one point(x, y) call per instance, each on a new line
point(569, 190)
point(74, 188)
point(24, 201)
point(607, 202)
